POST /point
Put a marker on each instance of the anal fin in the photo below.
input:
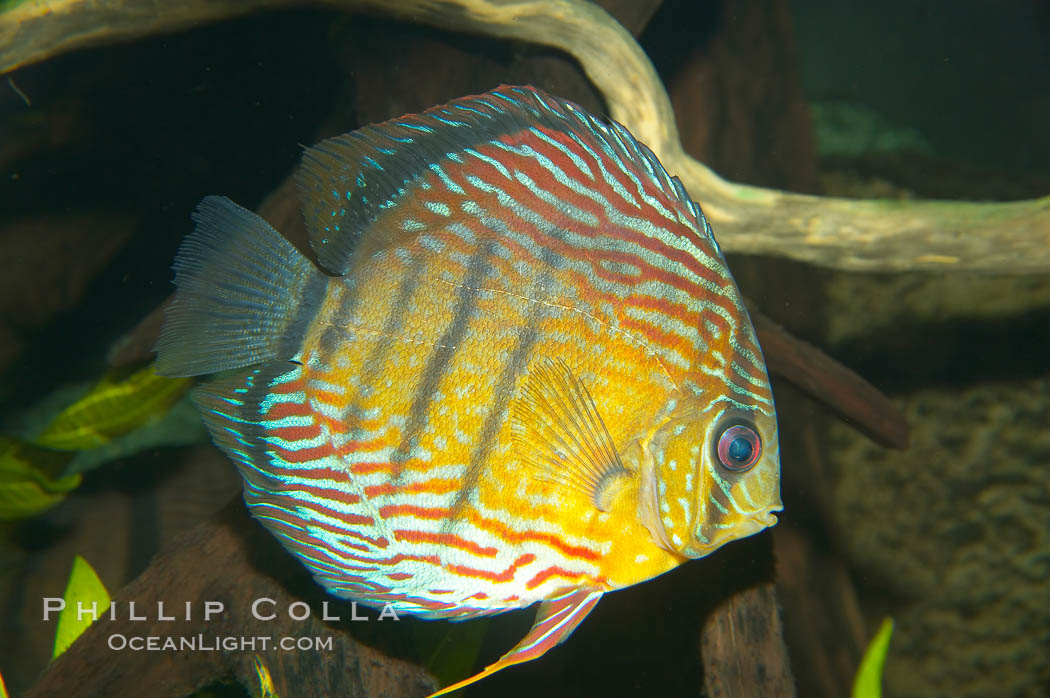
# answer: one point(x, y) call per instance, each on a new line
point(555, 622)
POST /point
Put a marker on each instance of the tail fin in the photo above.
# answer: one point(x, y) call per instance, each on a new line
point(245, 294)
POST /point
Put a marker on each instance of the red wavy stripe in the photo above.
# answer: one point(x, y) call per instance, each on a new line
point(446, 539)
point(553, 572)
point(502, 531)
point(506, 575)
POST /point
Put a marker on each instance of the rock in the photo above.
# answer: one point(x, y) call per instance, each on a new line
point(957, 529)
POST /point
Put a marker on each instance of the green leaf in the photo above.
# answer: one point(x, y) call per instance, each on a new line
point(28, 485)
point(84, 588)
point(180, 426)
point(117, 404)
point(868, 682)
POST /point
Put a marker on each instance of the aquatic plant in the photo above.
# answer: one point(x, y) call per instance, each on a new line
point(84, 590)
point(868, 682)
point(112, 419)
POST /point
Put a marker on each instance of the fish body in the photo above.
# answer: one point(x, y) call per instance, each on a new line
point(527, 374)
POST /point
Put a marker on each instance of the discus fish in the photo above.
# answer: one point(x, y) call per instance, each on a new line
point(524, 375)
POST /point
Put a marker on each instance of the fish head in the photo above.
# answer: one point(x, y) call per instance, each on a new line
point(710, 475)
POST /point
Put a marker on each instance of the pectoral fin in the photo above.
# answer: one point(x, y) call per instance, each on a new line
point(559, 433)
point(555, 622)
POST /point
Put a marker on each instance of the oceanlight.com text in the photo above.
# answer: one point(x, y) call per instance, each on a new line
point(202, 643)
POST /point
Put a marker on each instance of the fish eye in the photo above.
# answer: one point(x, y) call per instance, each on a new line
point(739, 447)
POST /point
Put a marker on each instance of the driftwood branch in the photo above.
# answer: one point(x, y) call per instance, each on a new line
point(231, 560)
point(741, 639)
point(821, 377)
point(839, 233)
point(743, 648)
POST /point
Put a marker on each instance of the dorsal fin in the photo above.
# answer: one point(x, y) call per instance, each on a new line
point(346, 182)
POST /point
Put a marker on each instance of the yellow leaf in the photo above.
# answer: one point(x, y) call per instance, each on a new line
point(3, 688)
point(83, 590)
point(27, 484)
point(113, 407)
point(868, 682)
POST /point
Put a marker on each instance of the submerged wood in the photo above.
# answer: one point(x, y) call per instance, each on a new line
point(818, 375)
point(833, 232)
point(233, 560)
point(743, 648)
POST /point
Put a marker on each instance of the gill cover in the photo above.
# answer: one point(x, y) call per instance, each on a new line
point(701, 487)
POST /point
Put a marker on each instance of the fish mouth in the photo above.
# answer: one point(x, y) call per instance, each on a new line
point(766, 519)
point(748, 526)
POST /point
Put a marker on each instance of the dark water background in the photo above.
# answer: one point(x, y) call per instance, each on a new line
point(98, 175)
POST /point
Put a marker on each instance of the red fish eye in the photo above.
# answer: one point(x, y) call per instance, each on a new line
point(739, 448)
